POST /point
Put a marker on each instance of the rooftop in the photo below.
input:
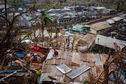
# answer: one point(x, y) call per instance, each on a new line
point(109, 42)
point(2, 6)
point(117, 18)
point(100, 25)
point(110, 21)
point(89, 38)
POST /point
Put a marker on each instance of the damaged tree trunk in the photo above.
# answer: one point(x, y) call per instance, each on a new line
point(42, 28)
point(106, 73)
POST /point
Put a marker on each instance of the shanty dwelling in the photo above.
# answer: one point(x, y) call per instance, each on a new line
point(101, 10)
point(124, 18)
point(109, 45)
point(64, 20)
point(2, 7)
point(82, 29)
point(118, 27)
point(85, 43)
point(62, 16)
point(100, 27)
point(105, 44)
point(108, 42)
point(69, 18)
point(117, 19)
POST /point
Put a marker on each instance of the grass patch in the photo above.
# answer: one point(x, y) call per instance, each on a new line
point(109, 5)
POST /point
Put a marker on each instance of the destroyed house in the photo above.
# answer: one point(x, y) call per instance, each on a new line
point(107, 43)
point(100, 27)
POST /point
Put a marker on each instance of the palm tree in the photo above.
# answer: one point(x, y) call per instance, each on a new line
point(120, 4)
point(45, 21)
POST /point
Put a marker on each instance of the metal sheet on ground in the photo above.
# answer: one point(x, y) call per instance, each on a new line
point(63, 68)
point(77, 72)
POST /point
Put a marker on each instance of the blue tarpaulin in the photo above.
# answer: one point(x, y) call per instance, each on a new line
point(10, 71)
point(20, 54)
point(122, 76)
point(111, 77)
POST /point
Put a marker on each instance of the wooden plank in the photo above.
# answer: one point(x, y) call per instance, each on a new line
point(76, 60)
point(2, 79)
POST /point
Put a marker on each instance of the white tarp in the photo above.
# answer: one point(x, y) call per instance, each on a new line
point(28, 41)
point(110, 21)
point(39, 33)
point(50, 54)
point(75, 83)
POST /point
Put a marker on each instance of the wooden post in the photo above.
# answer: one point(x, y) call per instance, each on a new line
point(106, 73)
point(73, 44)
point(91, 77)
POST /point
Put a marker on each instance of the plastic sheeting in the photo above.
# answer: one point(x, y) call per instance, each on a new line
point(50, 54)
point(20, 54)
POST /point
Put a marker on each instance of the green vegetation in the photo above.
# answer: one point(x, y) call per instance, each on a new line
point(109, 5)
point(86, 82)
point(14, 3)
point(49, 5)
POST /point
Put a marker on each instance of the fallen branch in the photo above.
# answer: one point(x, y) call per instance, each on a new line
point(2, 79)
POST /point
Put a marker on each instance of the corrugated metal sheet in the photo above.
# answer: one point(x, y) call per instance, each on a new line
point(108, 42)
point(63, 68)
point(77, 72)
point(100, 26)
point(117, 18)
